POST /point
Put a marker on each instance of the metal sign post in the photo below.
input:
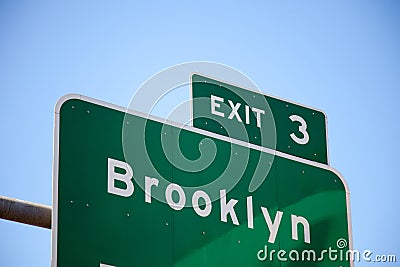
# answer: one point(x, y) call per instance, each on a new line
point(25, 212)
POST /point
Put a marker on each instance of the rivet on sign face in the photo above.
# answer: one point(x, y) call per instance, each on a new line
point(287, 106)
point(254, 96)
point(201, 143)
point(204, 233)
point(239, 241)
point(313, 113)
point(127, 122)
point(87, 205)
point(73, 107)
point(255, 137)
point(315, 154)
point(335, 180)
point(165, 133)
point(302, 171)
point(206, 123)
point(127, 214)
point(270, 163)
point(166, 224)
point(88, 111)
point(71, 201)
point(235, 153)
point(221, 127)
point(288, 146)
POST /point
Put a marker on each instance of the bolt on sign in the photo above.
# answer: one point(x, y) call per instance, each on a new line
point(133, 190)
point(259, 119)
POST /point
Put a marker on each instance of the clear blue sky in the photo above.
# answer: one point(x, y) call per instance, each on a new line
point(339, 56)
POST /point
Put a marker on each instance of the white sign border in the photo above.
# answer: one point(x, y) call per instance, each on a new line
point(263, 94)
point(56, 154)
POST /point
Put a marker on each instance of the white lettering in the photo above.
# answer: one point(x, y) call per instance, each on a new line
point(216, 105)
point(119, 182)
point(272, 227)
point(234, 111)
point(168, 195)
point(249, 202)
point(295, 221)
point(125, 178)
point(227, 208)
point(247, 108)
point(195, 202)
point(258, 115)
point(148, 183)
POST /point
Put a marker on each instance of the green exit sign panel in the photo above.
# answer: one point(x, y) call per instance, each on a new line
point(133, 191)
point(259, 119)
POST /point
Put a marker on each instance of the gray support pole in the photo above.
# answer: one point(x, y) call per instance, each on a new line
point(25, 212)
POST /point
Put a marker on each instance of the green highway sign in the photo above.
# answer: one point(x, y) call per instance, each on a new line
point(259, 119)
point(133, 190)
